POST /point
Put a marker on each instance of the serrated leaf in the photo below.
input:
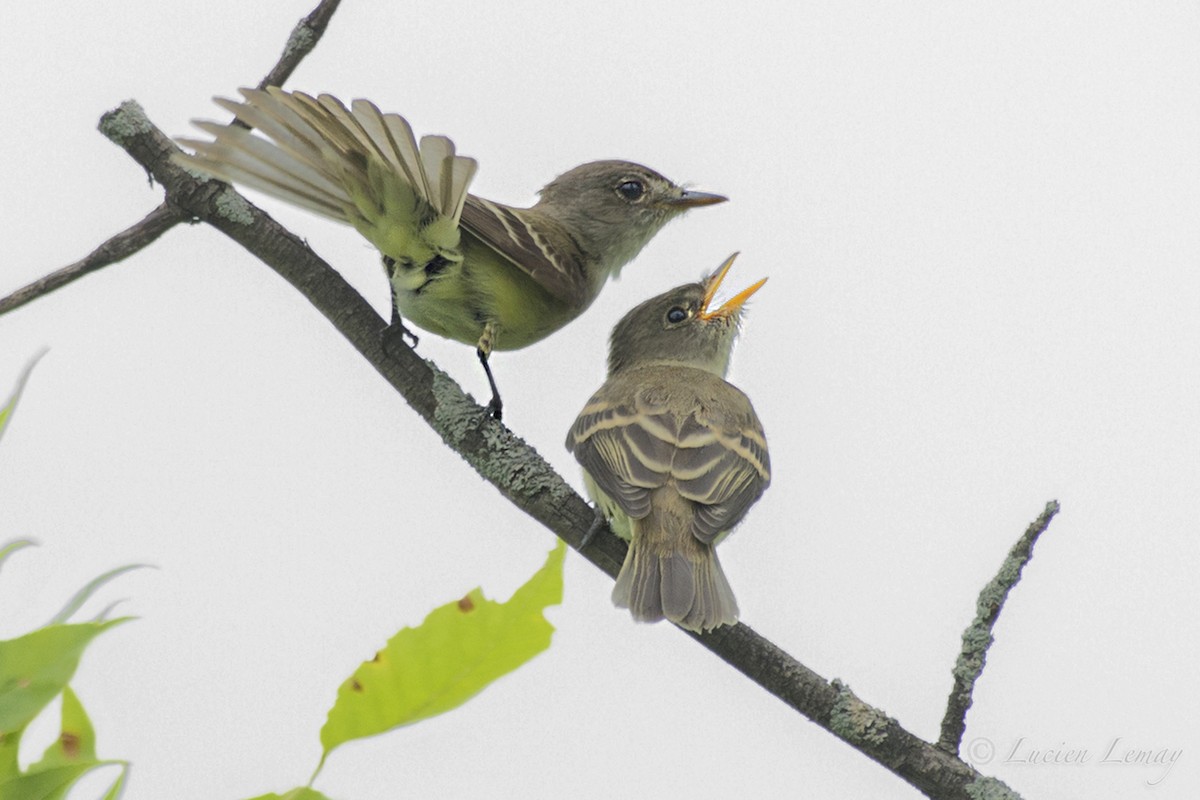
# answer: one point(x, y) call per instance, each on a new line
point(35, 667)
point(7, 409)
point(453, 655)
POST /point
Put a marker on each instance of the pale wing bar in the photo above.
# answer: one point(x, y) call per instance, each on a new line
point(723, 471)
point(598, 440)
point(514, 234)
point(628, 452)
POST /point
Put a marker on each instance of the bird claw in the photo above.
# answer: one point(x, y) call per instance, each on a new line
point(599, 523)
point(397, 330)
point(495, 408)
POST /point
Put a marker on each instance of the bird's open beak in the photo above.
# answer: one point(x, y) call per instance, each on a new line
point(733, 304)
point(690, 199)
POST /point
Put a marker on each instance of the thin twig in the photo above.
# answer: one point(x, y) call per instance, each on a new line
point(303, 39)
point(119, 247)
point(977, 638)
point(522, 475)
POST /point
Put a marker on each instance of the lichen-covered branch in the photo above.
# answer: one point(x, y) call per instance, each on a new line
point(977, 638)
point(300, 43)
point(303, 39)
point(520, 473)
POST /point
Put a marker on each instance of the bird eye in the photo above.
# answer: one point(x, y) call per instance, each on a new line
point(676, 315)
point(631, 190)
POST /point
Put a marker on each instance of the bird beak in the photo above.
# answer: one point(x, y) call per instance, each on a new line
point(690, 199)
point(732, 305)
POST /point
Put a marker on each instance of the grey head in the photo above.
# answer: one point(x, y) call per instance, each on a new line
point(680, 327)
point(614, 208)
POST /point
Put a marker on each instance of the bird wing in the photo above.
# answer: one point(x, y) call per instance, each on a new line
point(534, 243)
point(356, 165)
point(722, 465)
point(626, 449)
point(711, 446)
point(363, 167)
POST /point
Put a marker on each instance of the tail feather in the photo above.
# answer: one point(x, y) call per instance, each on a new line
point(684, 585)
point(239, 157)
point(677, 579)
point(347, 164)
point(394, 137)
point(448, 174)
point(289, 131)
point(715, 604)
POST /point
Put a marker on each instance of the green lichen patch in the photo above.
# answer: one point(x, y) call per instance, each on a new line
point(126, 123)
point(990, 789)
point(854, 720)
point(233, 207)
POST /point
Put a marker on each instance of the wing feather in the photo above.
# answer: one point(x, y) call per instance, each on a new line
point(719, 462)
point(534, 243)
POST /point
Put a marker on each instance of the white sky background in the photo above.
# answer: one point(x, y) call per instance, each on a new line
point(982, 229)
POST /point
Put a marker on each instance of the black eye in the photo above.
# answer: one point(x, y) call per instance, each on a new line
point(676, 315)
point(631, 190)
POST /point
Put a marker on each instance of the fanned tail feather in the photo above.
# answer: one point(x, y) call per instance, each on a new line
point(340, 163)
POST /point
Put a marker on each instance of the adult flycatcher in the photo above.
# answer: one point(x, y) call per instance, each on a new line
point(469, 269)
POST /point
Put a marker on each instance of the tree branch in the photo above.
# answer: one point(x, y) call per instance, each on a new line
point(520, 473)
point(300, 43)
point(303, 39)
point(119, 247)
point(977, 638)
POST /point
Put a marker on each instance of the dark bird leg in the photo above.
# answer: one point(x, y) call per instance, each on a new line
point(599, 523)
point(396, 328)
point(484, 349)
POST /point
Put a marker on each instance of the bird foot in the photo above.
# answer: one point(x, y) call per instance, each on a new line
point(599, 523)
point(397, 330)
point(495, 408)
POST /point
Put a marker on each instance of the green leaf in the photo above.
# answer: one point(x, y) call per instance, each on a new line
point(72, 755)
point(76, 742)
point(118, 786)
point(35, 667)
point(9, 768)
point(7, 409)
point(49, 784)
point(303, 793)
point(12, 547)
point(457, 651)
point(81, 597)
point(54, 782)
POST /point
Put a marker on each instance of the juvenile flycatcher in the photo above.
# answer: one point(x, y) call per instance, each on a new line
point(469, 269)
point(672, 454)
